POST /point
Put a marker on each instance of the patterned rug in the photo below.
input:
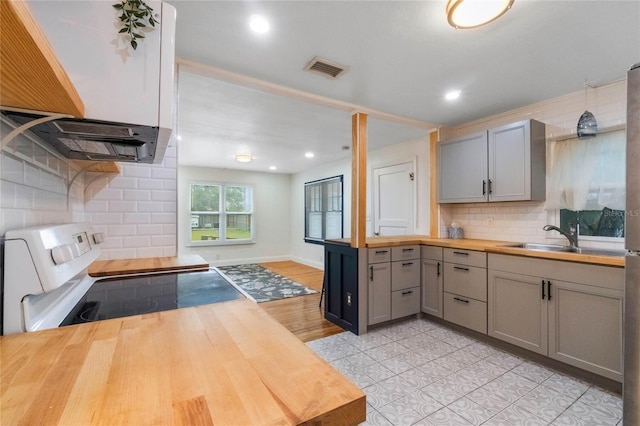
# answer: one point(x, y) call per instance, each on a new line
point(262, 284)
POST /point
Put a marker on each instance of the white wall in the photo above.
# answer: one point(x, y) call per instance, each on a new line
point(272, 220)
point(523, 221)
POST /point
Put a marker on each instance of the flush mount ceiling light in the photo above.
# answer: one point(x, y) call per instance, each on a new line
point(452, 95)
point(243, 158)
point(259, 24)
point(587, 124)
point(464, 14)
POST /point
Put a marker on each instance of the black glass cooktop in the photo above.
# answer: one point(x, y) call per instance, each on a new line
point(121, 297)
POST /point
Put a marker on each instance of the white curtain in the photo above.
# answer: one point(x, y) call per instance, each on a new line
point(587, 174)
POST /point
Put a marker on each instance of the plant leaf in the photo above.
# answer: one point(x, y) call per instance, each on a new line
point(123, 30)
point(134, 44)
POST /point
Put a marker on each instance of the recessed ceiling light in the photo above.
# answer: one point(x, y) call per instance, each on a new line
point(454, 94)
point(259, 24)
point(308, 154)
point(273, 168)
point(179, 137)
point(243, 158)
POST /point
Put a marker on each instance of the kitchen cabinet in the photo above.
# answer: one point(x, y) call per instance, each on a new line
point(465, 288)
point(431, 280)
point(570, 312)
point(405, 281)
point(505, 163)
point(379, 289)
point(394, 283)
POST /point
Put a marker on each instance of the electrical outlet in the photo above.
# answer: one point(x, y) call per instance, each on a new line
point(490, 222)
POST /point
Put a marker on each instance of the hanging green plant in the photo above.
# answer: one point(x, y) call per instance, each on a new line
point(134, 16)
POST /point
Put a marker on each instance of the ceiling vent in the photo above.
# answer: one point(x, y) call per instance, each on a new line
point(326, 68)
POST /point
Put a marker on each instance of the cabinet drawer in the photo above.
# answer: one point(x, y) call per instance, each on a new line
point(379, 255)
point(405, 253)
point(466, 257)
point(405, 302)
point(465, 312)
point(431, 252)
point(405, 274)
point(468, 281)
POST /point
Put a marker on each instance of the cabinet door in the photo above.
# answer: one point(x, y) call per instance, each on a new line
point(462, 169)
point(432, 287)
point(379, 293)
point(585, 327)
point(510, 162)
point(517, 313)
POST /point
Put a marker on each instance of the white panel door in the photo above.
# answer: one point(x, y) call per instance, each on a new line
point(394, 199)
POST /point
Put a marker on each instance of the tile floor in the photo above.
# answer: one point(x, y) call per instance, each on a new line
point(420, 373)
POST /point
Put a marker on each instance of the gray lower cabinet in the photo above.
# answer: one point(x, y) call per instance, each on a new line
point(431, 280)
point(465, 288)
point(379, 288)
point(570, 312)
point(394, 283)
point(405, 281)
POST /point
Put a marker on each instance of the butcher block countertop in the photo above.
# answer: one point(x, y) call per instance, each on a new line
point(222, 364)
point(490, 246)
point(105, 268)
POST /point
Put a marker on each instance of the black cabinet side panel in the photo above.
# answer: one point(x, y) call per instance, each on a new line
point(341, 286)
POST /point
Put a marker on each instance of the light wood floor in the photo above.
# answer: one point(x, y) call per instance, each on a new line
point(300, 315)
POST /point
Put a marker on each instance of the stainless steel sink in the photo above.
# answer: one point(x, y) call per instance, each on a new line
point(542, 247)
point(567, 249)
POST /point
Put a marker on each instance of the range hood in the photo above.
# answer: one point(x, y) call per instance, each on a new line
point(128, 94)
point(94, 140)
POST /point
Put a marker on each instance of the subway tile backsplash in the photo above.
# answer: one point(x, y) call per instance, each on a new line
point(136, 210)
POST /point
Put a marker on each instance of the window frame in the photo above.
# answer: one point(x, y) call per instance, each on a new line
point(315, 183)
point(222, 216)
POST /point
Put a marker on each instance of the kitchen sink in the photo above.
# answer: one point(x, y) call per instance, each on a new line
point(568, 249)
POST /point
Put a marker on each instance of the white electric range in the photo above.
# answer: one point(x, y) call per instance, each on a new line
point(47, 285)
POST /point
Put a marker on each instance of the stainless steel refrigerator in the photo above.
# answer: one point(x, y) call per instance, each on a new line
point(631, 385)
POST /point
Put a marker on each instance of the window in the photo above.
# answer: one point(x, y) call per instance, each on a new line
point(586, 184)
point(323, 209)
point(221, 213)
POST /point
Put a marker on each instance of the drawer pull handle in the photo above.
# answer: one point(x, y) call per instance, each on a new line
point(407, 249)
point(371, 273)
point(407, 292)
point(407, 264)
point(459, 268)
point(543, 283)
point(484, 187)
point(438, 268)
point(460, 300)
point(461, 252)
point(382, 251)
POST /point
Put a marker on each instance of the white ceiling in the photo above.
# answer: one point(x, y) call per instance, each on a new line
point(403, 57)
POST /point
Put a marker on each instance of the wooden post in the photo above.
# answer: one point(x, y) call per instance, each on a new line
point(359, 180)
point(434, 225)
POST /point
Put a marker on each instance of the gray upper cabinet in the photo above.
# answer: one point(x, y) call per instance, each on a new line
point(506, 163)
point(462, 169)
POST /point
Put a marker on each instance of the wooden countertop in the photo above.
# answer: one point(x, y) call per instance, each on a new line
point(105, 268)
point(225, 364)
point(491, 246)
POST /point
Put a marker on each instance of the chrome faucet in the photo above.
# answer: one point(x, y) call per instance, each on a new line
point(572, 235)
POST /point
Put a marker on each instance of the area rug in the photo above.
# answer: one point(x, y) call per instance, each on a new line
point(262, 284)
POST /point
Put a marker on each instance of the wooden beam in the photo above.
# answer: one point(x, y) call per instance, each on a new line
point(434, 225)
point(359, 180)
point(30, 75)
